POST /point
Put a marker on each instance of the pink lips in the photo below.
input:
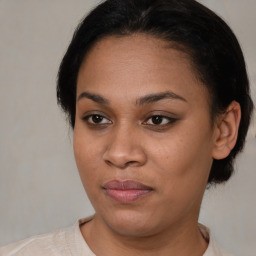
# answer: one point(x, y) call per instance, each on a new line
point(126, 191)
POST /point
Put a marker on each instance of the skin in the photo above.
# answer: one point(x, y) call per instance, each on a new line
point(173, 157)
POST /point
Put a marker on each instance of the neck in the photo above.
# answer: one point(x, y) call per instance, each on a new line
point(176, 240)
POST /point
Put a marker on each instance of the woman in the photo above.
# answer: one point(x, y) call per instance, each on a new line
point(158, 97)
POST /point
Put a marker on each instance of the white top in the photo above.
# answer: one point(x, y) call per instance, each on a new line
point(70, 242)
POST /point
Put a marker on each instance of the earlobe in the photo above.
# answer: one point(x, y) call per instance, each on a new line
point(227, 131)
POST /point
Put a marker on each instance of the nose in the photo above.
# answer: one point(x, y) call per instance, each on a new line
point(125, 148)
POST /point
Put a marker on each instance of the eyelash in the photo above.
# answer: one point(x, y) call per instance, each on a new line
point(169, 121)
point(91, 123)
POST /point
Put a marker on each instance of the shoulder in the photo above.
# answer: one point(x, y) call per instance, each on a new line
point(213, 249)
point(64, 242)
point(54, 243)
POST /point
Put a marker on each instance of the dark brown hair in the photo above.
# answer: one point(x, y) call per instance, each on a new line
point(205, 37)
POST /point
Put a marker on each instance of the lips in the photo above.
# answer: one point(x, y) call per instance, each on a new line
point(126, 191)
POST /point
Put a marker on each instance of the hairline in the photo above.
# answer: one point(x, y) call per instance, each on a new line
point(185, 50)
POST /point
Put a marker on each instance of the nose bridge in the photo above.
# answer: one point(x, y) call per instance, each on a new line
point(124, 147)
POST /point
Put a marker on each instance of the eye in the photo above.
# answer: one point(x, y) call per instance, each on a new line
point(158, 120)
point(95, 119)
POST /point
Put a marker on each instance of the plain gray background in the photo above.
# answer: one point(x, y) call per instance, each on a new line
point(40, 190)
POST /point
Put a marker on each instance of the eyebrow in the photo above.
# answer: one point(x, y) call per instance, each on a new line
point(151, 98)
point(147, 99)
point(94, 97)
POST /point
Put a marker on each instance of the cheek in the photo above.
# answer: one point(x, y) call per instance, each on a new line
point(87, 156)
point(183, 158)
point(183, 170)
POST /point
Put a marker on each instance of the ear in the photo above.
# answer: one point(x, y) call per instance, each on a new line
point(227, 126)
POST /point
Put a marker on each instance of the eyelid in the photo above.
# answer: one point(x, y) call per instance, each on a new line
point(90, 114)
point(161, 113)
point(170, 119)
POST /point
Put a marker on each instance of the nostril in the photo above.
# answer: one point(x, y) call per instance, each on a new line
point(124, 155)
point(123, 165)
point(108, 162)
point(131, 163)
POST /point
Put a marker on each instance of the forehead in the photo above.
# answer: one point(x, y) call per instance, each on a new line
point(136, 65)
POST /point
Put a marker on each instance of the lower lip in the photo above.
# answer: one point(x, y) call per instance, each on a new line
point(127, 196)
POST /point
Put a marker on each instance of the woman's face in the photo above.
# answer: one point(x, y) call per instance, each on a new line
point(143, 138)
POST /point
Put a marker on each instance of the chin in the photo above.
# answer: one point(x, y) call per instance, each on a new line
point(132, 224)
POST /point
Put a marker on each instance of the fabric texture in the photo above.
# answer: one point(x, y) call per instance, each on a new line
point(70, 242)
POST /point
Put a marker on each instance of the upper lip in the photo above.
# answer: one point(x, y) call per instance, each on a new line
point(126, 185)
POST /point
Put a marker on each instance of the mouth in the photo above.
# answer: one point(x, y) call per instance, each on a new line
point(126, 191)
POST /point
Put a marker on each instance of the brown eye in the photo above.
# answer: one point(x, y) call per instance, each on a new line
point(96, 120)
point(157, 120)
point(160, 120)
